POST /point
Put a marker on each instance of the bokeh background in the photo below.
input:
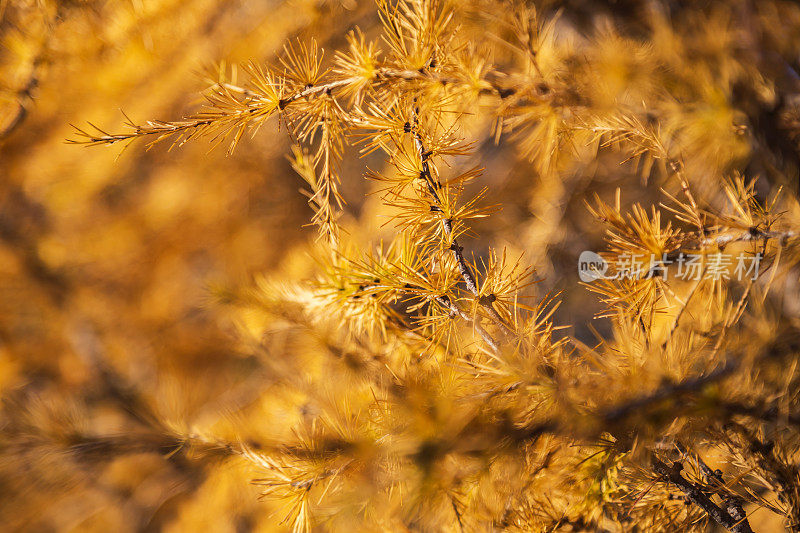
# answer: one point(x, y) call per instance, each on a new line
point(112, 261)
point(108, 258)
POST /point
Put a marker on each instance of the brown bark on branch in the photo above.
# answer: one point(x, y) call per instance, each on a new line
point(696, 495)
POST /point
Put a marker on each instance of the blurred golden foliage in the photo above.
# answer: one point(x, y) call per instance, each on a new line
point(177, 340)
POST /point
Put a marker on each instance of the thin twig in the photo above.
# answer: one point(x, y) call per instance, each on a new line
point(695, 495)
point(734, 504)
point(254, 104)
point(447, 225)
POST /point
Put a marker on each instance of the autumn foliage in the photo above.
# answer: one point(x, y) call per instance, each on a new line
point(415, 340)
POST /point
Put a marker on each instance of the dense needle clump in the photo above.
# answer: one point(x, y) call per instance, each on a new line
point(420, 376)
